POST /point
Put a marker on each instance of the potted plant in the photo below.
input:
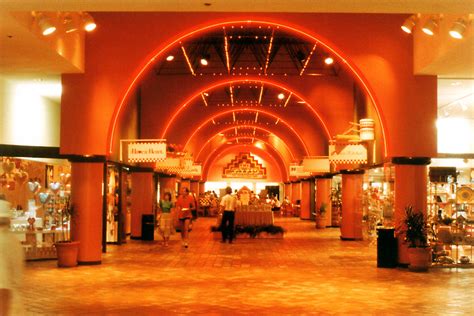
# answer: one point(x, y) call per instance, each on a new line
point(321, 216)
point(415, 229)
point(67, 250)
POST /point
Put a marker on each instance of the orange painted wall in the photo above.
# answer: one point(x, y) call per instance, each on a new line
point(373, 42)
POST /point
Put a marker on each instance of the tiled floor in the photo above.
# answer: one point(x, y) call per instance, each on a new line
point(308, 272)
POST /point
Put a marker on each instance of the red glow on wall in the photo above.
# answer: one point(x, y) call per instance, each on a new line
point(298, 32)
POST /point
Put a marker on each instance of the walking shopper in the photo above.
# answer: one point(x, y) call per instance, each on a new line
point(164, 212)
point(228, 206)
point(185, 205)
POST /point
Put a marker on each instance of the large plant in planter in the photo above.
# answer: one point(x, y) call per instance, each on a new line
point(67, 249)
point(415, 229)
point(321, 216)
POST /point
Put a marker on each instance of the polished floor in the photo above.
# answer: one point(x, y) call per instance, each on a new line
point(309, 272)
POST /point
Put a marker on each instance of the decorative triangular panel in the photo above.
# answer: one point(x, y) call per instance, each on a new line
point(245, 166)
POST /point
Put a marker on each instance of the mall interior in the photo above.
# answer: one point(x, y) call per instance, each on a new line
point(344, 129)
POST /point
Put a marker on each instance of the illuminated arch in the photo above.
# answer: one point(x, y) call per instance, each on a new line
point(240, 81)
point(225, 147)
point(252, 126)
point(230, 128)
point(141, 70)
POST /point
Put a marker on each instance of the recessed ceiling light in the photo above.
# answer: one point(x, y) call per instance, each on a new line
point(328, 61)
point(281, 96)
point(170, 58)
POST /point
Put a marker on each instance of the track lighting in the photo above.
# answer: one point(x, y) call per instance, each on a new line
point(409, 24)
point(45, 25)
point(89, 23)
point(430, 26)
point(458, 29)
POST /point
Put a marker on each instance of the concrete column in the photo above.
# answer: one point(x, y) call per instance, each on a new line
point(194, 186)
point(142, 200)
point(351, 224)
point(411, 181)
point(86, 197)
point(307, 198)
point(201, 187)
point(323, 196)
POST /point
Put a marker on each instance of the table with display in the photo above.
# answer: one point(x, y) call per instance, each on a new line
point(251, 218)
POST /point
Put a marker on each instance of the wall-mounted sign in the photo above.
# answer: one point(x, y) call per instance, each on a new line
point(146, 151)
point(316, 164)
point(347, 153)
point(244, 166)
point(192, 171)
point(298, 171)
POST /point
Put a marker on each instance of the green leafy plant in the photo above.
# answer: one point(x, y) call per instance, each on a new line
point(415, 228)
point(322, 210)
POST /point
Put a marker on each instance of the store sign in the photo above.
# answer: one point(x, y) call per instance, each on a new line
point(298, 171)
point(244, 166)
point(146, 151)
point(192, 171)
point(347, 153)
point(316, 164)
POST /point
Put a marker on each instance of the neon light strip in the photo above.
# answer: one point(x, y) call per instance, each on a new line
point(277, 121)
point(287, 100)
point(226, 49)
point(307, 60)
point(242, 81)
point(259, 128)
point(213, 122)
point(261, 95)
point(250, 110)
point(233, 116)
point(267, 61)
point(231, 95)
point(187, 61)
point(256, 117)
point(204, 99)
point(154, 55)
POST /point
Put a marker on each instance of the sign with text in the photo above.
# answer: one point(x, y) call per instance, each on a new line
point(316, 164)
point(146, 151)
point(298, 171)
point(347, 153)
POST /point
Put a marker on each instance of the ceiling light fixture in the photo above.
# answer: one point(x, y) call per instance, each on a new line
point(328, 61)
point(45, 25)
point(89, 23)
point(281, 96)
point(409, 24)
point(458, 29)
point(170, 58)
point(430, 26)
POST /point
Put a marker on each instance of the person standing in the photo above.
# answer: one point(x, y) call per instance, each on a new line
point(164, 212)
point(228, 206)
point(185, 205)
point(11, 265)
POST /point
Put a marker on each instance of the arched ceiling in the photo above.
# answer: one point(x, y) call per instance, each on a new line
point(248, 81)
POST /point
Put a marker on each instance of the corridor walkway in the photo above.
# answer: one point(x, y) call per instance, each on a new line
point(308, 272)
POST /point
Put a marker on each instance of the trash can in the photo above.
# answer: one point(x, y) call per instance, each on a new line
point(148, 227)
point(387, 248)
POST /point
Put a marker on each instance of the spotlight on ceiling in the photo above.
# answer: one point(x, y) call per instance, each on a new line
point(430, 26)
point(409, 24)
point(281, 96)
point(89, 23)
point(329, 61)
point(458, 29)
point(170, 58)
point(205, 59)
point(45, 25)
point(69, 25)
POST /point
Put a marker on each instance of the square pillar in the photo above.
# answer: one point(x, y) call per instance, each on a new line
point(351, 224)
point(323, 196)
point(142, 200)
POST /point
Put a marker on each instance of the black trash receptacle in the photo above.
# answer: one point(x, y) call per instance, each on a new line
point(148, 227)
point(387, 248)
